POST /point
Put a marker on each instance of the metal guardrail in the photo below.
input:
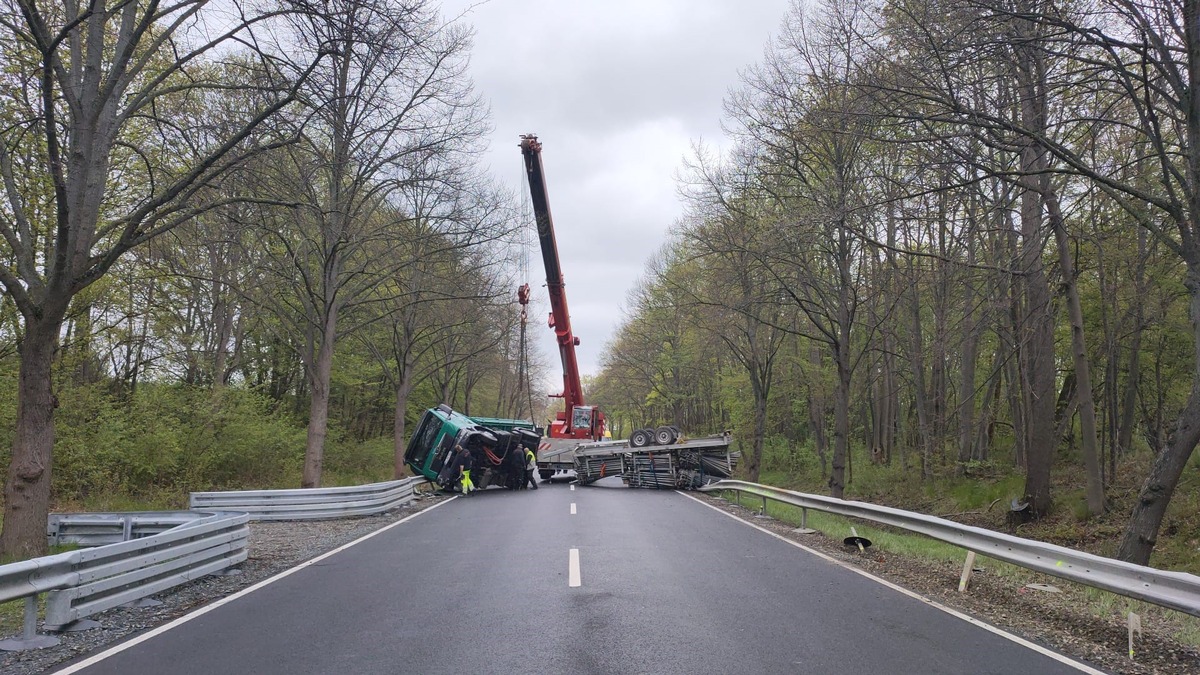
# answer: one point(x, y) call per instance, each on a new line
point(98, 529)
point(1175, 590)
point(80, 583)
point(134, 555)
point(311, 503)
point(106, 576)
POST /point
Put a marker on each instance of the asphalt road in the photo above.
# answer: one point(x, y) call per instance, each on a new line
point(665, 585)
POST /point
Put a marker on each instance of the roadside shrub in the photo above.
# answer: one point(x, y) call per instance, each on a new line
point(235, 440)
point(355, 463)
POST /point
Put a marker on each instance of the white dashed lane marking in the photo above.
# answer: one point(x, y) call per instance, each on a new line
point(572, 508)
point(573, 569)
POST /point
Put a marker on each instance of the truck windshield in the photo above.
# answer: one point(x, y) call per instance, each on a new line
point(422, 440)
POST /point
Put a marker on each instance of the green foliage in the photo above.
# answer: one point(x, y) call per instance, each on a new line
point(970, 494)
point(153, 447)
point(356, 463)
point(237, 440)
point(789, 457)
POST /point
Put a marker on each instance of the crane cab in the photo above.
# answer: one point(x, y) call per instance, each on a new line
point(586, 423)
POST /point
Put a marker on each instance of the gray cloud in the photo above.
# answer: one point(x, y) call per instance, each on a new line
point(617, 90)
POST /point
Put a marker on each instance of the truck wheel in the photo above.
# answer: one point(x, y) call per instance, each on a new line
point(640, 438)
point(665, 435)
point(545, 473)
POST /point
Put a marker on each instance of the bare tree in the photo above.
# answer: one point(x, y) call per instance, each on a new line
point(1125, 77)
point(807, 126)
point(737, 300)
point(445, 305)
point(102, 129)
point(391, 102)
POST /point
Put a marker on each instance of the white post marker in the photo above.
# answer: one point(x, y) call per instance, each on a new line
point(572, 508)
point(1135, 626)
point(573, 580)
point(968, 567)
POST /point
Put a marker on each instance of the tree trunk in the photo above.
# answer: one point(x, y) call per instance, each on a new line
point(754, 465)
point(27, 489)
point(1040, 373)
point(1083, 377)
point(841, 359)
point(841, 421)
point(318, 410)
point(1038, 333)
point(1141, 534)
point(917, 347)
point(1129, 402)
point(966, 392)
point(937, 367)
point(398, 425)
point(816, 414)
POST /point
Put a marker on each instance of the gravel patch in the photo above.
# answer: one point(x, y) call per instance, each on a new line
point(274, 547)
point(1060, 621)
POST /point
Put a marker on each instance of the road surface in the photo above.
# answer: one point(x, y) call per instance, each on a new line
point(658, 583)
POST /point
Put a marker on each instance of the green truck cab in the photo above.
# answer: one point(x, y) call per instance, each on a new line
point(497, 446)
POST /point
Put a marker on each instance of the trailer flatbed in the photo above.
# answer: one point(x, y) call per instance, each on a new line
point(686, 463)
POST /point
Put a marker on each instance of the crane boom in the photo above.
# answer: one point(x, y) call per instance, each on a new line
point(578, 420)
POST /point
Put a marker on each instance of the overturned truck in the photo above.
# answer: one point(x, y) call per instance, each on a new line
point(497, 446)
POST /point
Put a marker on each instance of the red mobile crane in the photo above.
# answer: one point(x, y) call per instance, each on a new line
point(578, 421)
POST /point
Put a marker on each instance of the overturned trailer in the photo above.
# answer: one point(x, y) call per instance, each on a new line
point(497, 446)
point(686, 464)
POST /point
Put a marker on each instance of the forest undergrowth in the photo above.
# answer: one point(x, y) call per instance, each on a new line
point(982, 496)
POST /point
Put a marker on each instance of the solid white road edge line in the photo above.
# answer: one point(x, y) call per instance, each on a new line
point(572, 508)
point(1083, 667)
point(90, 661)
point(573, 580)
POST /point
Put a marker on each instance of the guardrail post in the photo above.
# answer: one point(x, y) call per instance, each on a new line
point(764, 507)
point(804, 528)
point(29, 636)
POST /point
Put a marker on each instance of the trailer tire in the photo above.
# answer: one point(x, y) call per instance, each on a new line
point(665, 435)
point(546, 474)
point(640, 438)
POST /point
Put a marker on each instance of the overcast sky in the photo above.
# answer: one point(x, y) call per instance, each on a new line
point(616, 90)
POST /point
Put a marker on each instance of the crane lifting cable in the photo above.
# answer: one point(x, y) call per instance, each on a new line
point(523, 379)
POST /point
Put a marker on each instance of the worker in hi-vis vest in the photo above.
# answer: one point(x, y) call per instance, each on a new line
point(463, 462)
point(530, 468)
